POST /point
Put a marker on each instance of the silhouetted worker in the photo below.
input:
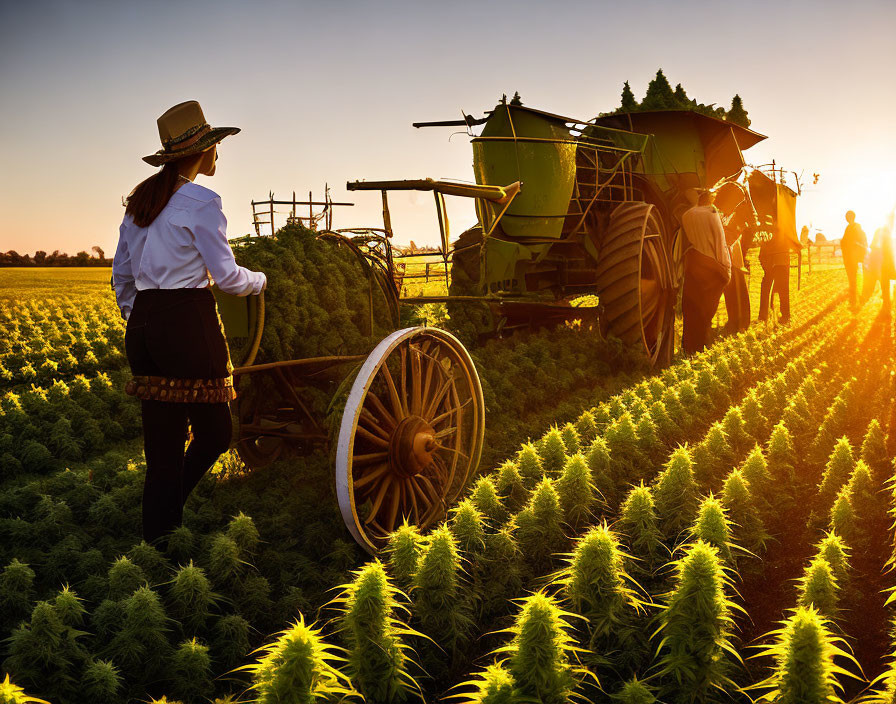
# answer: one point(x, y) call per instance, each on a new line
point(880, 267)
point(853, 246)
point(805, 242)
point(774, 256)
point(707, 270)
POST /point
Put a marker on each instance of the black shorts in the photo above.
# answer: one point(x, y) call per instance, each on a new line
point(177, 333)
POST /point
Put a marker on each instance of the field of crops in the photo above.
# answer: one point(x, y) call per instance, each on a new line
point(718, 531)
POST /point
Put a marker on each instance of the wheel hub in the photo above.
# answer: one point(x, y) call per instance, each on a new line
point(412, 446)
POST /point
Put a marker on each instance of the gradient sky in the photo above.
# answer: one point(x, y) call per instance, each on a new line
point(327, 91)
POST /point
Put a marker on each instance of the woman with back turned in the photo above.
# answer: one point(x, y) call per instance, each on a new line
point(172, 244)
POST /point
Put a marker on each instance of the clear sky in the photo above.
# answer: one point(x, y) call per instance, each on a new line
point(326, 91)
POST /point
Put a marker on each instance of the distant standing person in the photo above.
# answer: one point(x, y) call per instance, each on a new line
point(853, 247)
point(737, 294)
point(172, 244)
point(880, 267)
point(707, 270)
point(774, 256)
point(805, 242)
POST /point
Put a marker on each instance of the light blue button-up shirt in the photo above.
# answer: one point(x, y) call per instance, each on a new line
point(184, 247)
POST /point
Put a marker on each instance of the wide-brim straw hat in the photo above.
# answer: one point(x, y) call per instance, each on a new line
point(184, 131)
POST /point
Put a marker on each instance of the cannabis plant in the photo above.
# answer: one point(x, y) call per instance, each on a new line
point(834, 426)
point(231, 639)
point(804, 652)
point(298, 666)
point(577, 493)
point(540, 527)
point(842, 516)
point(837, 471)
point(501, 573)
point(586, 427)
point(552, 452)
point(539, 655)
point(151, 561)
point(667, 430)
point(818, 587)
point(223, 559)
point(622, 440)
point(468, 526)
point(190, 598)
point(70, 607)
point(125, 578)
point(675, 494)
point(696, 627)
point(598, 458)
point(486, 499)
point(529, 463)
point(634, 691)
point(781, 455)
point(403, 550)
point(874, 452)
point(746, 523)
point(440, 599)
point(190, 671)
point(11, 693)
point(44, 652)
point(243, 532)
point(675, 409)
point(835, 552)
point(867, 502)
point(638, 523)
point(571, 440)
point(884, 685)
point(16, 593)
point(101, 682)
point(755, 471)
point(142, 644)
point(755, 423)
point(713, 527)
point(379, 660)
point(181, 544)
point(511, 486)
point(595, 583)
point(494, 685)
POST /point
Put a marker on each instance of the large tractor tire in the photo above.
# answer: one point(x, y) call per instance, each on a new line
point(635, 281)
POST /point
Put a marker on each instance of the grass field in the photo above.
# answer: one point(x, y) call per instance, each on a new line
point(20, 284)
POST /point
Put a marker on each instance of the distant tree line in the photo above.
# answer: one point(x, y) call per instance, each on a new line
point(661, 96)
point(96, 257)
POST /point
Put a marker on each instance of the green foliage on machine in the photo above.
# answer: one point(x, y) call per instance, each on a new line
point(661, 96)
point(318, 297)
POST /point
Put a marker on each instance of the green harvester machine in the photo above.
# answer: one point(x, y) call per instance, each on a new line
point(577, 219)
point(571, 209)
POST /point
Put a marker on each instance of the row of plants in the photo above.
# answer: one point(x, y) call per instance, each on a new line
point(743, 366)
point(56, 339)
point(47, 429)
point(463, 557)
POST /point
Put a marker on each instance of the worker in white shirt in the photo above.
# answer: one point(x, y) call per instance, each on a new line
point(172, 243)
point(707, 270)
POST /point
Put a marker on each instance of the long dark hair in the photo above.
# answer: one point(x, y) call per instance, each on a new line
point(150, 196)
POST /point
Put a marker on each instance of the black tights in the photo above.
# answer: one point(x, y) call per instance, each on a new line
point(170, 472)
point(177, 333)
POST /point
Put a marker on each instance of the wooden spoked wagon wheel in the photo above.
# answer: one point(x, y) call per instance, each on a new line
point(636, 283)
point(411, 434)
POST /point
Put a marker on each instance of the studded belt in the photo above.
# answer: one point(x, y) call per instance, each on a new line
point(178, 390)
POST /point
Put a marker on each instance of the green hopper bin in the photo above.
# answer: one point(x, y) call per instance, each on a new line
point(518, 144)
